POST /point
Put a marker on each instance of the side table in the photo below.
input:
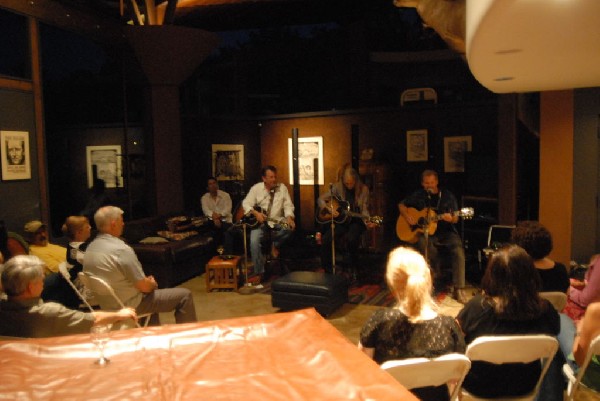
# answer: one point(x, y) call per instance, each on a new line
point(222, 273)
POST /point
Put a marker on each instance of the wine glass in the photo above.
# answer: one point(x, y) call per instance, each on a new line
point(100, 334)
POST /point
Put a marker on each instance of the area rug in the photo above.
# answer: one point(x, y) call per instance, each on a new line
point(370, 294)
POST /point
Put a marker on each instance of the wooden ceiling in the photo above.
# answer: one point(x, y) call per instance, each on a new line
point(224, 15)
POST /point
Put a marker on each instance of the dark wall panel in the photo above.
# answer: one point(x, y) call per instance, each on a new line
point(19, 200)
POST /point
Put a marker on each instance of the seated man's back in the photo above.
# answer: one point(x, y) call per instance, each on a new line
point(111, 259)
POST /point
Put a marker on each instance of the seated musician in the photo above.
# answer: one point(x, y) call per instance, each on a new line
point(270, 213)
point(350, 191)
point(445, 237)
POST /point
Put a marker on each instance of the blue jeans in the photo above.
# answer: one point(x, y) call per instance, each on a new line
point(258, 258)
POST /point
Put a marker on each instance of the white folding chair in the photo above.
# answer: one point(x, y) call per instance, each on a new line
point(557, 299)
point(575, 379)
point(100, 287)
point(448, 369)
point(513, 349)
point(63, 268)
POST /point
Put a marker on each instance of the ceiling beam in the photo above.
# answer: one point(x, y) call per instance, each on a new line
point(53, 13)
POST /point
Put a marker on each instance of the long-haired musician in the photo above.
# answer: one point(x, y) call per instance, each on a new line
point(347, 204)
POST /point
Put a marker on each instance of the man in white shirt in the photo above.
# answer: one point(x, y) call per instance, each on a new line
point(216, 205)
point(270, 204)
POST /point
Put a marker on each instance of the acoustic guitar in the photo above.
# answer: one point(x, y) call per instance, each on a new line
point(410, 233)
point(344, 213)
point(252, 222)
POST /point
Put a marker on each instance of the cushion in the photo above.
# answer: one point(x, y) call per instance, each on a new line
point(153, 240)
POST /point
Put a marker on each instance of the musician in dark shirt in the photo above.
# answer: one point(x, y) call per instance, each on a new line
point(445, 238)
point(350, 191)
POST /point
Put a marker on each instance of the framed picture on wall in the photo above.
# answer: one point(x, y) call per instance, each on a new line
point(16, 158)
point(228, 162)
point(309, 149)
point(104, 162)
point(455, 148)
point(416, 146)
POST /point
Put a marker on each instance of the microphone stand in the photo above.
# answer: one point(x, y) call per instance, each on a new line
point(426, 231)
point(247, 289)
point(332, 235)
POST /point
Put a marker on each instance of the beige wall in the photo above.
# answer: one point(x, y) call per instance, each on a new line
point(556, 169)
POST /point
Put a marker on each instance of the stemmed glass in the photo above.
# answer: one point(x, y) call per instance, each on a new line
point(100, 334)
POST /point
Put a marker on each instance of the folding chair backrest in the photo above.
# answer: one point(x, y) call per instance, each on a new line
point(423, 372)
point(100, 287)
point(515, 349)
point(557, 299)
point(63, 268)
point(575, 381)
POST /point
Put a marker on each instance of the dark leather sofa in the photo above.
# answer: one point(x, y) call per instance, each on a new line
point(173, 262)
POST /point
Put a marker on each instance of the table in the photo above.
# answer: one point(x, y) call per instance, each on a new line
point(282, 356)
point(222, 272)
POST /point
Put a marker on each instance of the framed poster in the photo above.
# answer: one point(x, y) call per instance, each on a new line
point(416, 146)
point(16, 159)
point(228, 162)
point(106, 162)
point(309, 148)
point(454, 153)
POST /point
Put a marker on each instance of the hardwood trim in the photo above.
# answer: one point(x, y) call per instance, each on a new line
point(105, 30)
point(16, 84)
point(38, 106)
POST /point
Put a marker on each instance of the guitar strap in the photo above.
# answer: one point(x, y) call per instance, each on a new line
point(270, 203)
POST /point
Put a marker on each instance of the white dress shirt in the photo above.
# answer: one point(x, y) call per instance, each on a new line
point(260, 196)
point(221, 204)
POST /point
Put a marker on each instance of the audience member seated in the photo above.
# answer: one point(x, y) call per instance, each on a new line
point(24, 314)
point(51, 254)
point(11, 244)
point(216, 205)
point(583, 293)
point(78, 230)
point(111, 259)
point(588, 329)
point(413, 328)
point(509, 305)
point(537, 241)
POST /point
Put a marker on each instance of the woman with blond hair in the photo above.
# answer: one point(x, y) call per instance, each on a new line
point(413, 328)
point(78, 230)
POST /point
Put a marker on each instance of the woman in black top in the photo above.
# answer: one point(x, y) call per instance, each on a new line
point(413, 328)
point(509, 305)
point(537, 241)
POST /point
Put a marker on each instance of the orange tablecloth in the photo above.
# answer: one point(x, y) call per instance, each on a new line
point(283, 356)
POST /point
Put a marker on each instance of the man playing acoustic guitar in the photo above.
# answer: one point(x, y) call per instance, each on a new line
point(428, 201)
point(348, 223)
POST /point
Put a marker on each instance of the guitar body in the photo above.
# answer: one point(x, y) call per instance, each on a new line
point(339, 205)
point(251, 222)
point(410, 233)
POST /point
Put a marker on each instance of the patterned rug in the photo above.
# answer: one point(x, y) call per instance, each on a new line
point(370, 294)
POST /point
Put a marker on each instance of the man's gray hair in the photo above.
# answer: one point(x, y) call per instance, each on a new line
point(19, 271)
point(105, 215)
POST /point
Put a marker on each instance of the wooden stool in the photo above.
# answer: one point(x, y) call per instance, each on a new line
point(222, 273)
